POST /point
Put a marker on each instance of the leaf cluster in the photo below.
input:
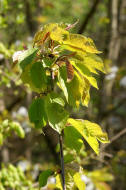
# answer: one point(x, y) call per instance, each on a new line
point(12, 177)
point(68, 61)
point(7, 127)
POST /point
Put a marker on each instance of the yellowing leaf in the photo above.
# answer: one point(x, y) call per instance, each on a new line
point(78, 181)
point(85, 72)
point(91, 132)
point(86, 95)
point(1, 139)
point(75, 91)
point(95, 130)
point(58, 34)
point(40, 36)
point(91, 61)
point(102, 186)
point(80, 42)
point(58, 182)
point(100, 175)
point(72, 174)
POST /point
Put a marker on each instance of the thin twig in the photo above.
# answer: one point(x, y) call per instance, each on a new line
point(72, 25)
point(116, 137)
point(62, 161)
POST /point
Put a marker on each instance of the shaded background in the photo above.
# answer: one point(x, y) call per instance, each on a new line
point(103, 21)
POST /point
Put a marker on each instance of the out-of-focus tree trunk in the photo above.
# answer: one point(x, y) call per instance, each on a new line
point(114, 47)
point(5, 154)
point(122, 30)
point(113, 54)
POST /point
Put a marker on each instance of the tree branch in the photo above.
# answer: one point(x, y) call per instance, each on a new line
point(88, 17)
point(29, 19)
point(116, 137)
point(62, 161)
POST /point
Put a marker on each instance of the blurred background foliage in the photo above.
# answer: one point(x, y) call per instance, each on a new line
point(103, 21)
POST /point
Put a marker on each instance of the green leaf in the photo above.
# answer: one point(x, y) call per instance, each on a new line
point(43, 177)
point(38, 75)
point(91, 132)
point(68, 158)
point(47, 62)
point(72, 138)
point(37, 113)
point(62, 80)
point(57, 116)
point(34, 75)
point(78, 181)
point(27, 57)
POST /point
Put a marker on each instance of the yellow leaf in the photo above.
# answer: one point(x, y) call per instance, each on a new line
point(83, 43)
point(78, 181)
point(58, 182)
point(91, 132)
point(58, 34)
point(85, 72)
point(75, 91)
point(91, 61)
point(39, 36)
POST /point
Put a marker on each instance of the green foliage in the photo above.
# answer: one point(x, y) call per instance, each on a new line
point(40, 79)
point(4, 50)
point(27, 57)
point(49, 109)
point(73, 177)
point(57, 116)
point(72, 138)
point(69, 61)
point(43, 177)
point(37, 113)
point(13, 178)
point(7, 127)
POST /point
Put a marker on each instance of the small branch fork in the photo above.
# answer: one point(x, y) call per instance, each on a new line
point(62, 161)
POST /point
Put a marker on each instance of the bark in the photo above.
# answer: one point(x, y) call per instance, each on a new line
point(29, 18)
point(122, 31)
point(5, 154)
point(114, 47)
